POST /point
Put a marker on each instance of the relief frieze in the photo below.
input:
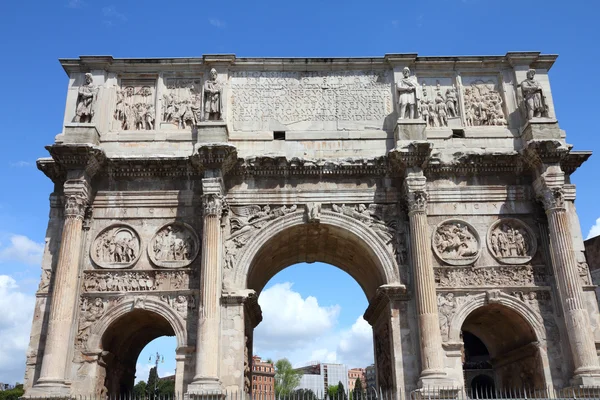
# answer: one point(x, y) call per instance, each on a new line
point(524, 275)
point(182, 103)
point(135, 107)
point(483, 102)
point(135, 281)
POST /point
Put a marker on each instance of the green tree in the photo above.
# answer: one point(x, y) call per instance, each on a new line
point(166, 387)
point(140, 390)
point(358, 393)
point(341, 392)
point(332, 391)
point(286, 378)
point(12, 394)
point(304, 394)
point(152, 385)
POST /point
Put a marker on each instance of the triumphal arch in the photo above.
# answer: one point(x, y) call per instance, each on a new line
point(441, 184)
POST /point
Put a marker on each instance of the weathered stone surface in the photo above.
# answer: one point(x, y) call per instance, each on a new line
point(184, 185)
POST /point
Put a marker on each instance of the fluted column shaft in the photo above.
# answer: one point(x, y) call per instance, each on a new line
point(424, 286)
point(64, 295)
point(209, 316)
point(581, 337)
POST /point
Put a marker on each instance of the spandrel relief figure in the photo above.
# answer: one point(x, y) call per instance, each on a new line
point(86, 99)
point(174, 246)
point(213, 102)
point(511, 242)
point(135, 109)
point(116, 247)
point(533, 96)
point(456, 243)
point(483, 104)
point(409, 96)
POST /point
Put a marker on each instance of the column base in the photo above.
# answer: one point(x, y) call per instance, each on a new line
point(434, 381)
point(45, 388)
point(205, 386)
point(586, 379)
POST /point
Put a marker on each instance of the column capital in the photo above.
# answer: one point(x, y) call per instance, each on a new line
point(213, 204)
point(76, 197)
point(415, 193)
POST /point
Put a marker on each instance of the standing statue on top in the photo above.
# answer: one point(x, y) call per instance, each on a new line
point(533, 96)
point(408, 96)
point(213, 102)
point(86, 97)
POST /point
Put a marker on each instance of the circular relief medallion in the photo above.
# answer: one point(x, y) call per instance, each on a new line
point(117, 246)
point(175, 245)
point(456, 242)
point(511, 241)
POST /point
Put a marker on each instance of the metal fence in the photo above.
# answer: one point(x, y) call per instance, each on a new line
point(419, 394)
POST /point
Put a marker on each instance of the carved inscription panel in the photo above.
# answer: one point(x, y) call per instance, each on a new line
point(310, 100)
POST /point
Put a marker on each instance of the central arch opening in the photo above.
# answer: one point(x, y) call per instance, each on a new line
point(302, 264)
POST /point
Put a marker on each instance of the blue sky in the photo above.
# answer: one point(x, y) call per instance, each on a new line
point(36, 33)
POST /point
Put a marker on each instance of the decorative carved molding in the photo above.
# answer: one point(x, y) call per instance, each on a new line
point(525, 275)
point(417, 201)
point(511, 241)
point(135, 281)
point(552, 198)
point(75, 205)
point(116, 246)
point(456, 242)
point(174, 245)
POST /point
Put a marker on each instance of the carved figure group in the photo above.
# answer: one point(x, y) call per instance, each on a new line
point(86, 99)
point(182, 104)
point(117, 246)
point(213, 93)
point(408, 96)
point(90, 313)
point(135, 110)
point(490, 276)
point(436, 112)
point(509, 241)
point(483, 105)
point(454, 240)
point(533, 97)
point(120, 282)
point(172, 244)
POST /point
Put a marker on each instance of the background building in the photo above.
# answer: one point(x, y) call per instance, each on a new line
point(263, 376)
point(319, 376)
point(371, 376)
point(354, 373)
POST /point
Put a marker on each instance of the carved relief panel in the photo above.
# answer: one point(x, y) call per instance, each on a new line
point(175, 245)
point(182, 103)
point(117, 246)
point(439, 105)
point(456, 242)
point(511, 241)
point(135, 281)
point(135, 107)
point(483, 100)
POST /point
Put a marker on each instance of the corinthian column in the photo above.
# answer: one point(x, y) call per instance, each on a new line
point(64, 296)
point(564, 264)
point(432, 362)
point(209, 314)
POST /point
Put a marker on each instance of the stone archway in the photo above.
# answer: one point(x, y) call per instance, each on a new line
point(120, 336)
point(513, 336)
point(350, 244)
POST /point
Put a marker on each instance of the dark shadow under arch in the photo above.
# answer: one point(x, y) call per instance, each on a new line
point(122, 343)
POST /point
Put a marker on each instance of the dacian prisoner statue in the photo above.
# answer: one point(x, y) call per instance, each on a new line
point(179, 193)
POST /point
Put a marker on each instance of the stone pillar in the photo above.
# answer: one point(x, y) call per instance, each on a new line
point(432, 359)
point(209, 312)
point(564, 264)
point(53, 377)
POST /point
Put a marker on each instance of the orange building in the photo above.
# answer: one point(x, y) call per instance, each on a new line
point(263, 377)
point(354, 373)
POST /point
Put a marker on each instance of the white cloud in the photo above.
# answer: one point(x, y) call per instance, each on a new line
point(594, 230)
point(16, 309)
point(111, 15)
point(217, 23)
point(21, 164)
point(22, 249)
point(290, 321)
point(75, 3)
point(303, 331)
